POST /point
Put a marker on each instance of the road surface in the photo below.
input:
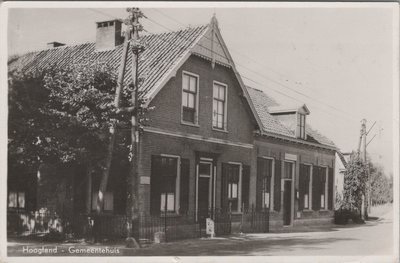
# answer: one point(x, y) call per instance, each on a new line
point(373, 238)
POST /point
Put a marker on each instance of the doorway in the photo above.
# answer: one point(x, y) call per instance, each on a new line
point(205, 193)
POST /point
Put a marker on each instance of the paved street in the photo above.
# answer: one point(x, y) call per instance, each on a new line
point(373, 238)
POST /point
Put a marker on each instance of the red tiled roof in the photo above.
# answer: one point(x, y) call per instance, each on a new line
point(262, 103)
point(162, 53)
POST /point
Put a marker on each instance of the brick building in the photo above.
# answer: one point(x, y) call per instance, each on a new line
point(212, 143)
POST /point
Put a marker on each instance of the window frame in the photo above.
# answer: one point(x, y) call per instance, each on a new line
point(309, 208)
point(326, 190)
point(196, 101)
point(177, 185)
point(301, 127)
point(94, 201)
point(225, 120)
point(18, 207)
point(239, 188)
point(272, 183)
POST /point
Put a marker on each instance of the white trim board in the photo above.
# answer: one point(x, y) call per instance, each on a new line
point(198, 137)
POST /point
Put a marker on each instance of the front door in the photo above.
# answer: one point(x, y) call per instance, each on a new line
point(287, 197)
point(204, 190)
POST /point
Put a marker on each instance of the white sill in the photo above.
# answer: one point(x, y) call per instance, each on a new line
point(219, 130)
point(190, 124)
point(236, 213)
point(307, 210)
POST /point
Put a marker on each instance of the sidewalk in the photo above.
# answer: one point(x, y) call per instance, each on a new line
point(348, 239)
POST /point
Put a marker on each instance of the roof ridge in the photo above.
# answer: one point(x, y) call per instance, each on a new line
point(13, 56)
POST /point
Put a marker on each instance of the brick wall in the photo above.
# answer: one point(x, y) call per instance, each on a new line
point(167, 112)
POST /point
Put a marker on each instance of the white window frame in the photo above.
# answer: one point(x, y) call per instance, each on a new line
point(225, 129)
point(301, 129)
point(325, 189)
point(17, 192)
point(177, 182)
point(309, 188)
point(239, 210)
point(272, 183)
point(196, 116)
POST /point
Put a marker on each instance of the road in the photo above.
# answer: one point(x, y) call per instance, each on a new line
point(373, 238)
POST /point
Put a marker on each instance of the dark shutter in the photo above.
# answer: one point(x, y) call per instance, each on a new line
point(259, 187)
point(155, 184)
point(184, 186)
point(316, 192)
point(224, 187)
point(330, 189)
point(277, 186)
point(302, 190)
point(245, 186)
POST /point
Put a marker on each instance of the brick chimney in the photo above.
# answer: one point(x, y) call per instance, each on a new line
point(108, 34)
point(54, 44)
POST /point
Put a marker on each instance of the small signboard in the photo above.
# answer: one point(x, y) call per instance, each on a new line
point(210, 227)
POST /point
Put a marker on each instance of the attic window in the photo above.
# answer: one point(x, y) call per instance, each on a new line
point(301, 126)
point(111, 23)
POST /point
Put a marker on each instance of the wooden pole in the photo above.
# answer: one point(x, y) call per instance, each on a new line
point(133, 178)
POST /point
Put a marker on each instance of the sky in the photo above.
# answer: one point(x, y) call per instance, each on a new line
point(338, 61)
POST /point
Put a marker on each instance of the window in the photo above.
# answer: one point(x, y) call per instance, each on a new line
point(108, 203)
point(301, 124)
point(266, 171)
point(233, 187)
point(323, 187)
point(16, 199)
point(288, 172)
point(189, 98)
point(164, 184)
point(304, 186)
point(219, 106)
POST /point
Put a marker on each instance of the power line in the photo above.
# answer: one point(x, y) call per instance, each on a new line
point(262, 85)
point(259, 74)
point(268, 78)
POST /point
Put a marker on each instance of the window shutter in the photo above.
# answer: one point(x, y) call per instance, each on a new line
point(330, 188)
point(155, 183)
point(259, 188)
point(277, 186)
point(184, 186)
point(245, 186)
point(316, 192)
point(224, 187)
point(302, 179)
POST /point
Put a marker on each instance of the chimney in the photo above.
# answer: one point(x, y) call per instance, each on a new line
point(54, 44)
point(108, 34)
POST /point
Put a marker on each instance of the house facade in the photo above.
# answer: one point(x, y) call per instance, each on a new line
point(211, 143)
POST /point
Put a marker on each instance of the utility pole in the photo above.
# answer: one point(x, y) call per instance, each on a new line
point(363, 141)
point(132, 40)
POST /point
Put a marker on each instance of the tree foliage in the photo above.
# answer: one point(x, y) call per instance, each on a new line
point(381, 186)
point(354, 183)
point(60, 115)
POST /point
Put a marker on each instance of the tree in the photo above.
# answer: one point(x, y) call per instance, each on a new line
point(62, 115)
point(381, 190)
point(354, 183)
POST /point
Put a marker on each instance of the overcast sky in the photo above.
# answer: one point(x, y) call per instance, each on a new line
point(336, 60)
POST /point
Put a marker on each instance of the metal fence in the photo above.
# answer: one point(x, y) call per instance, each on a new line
point(27, 223)
point(169, 227)
point(253, 221)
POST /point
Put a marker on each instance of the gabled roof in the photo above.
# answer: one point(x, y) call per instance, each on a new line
point(289, 108)
point(164, 55)
point(272, 126)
